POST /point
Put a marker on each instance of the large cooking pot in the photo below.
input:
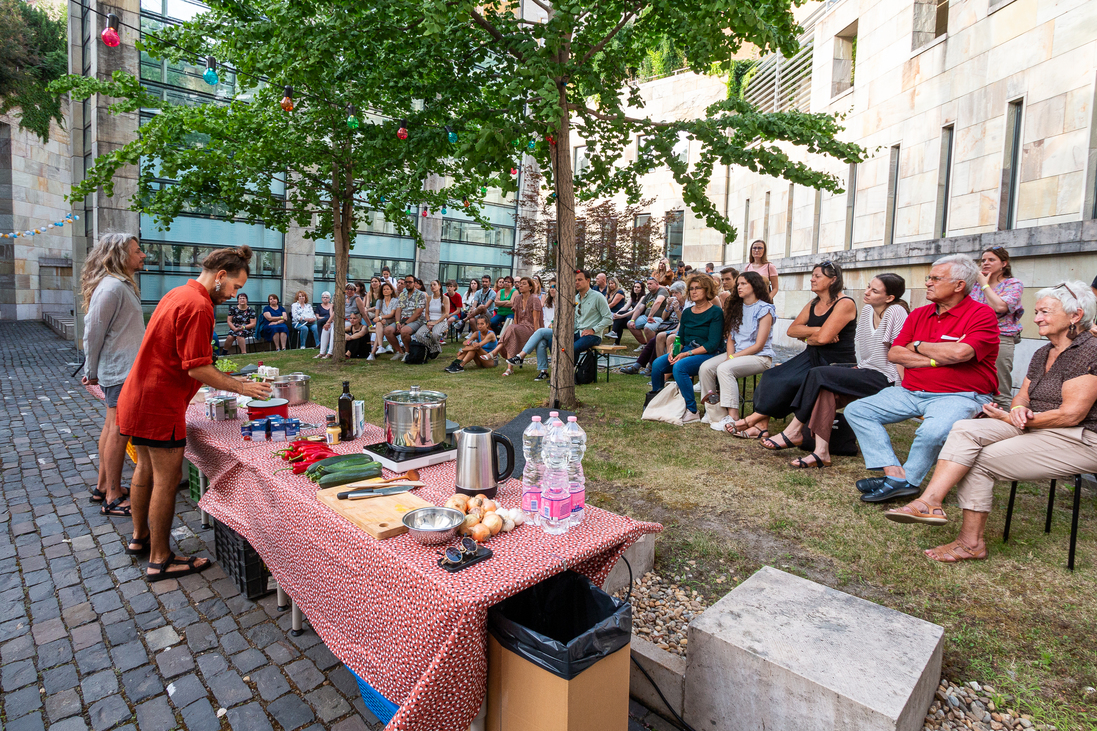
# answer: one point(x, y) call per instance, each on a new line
point(415, 420)
point(293, 387)
point(272, 407)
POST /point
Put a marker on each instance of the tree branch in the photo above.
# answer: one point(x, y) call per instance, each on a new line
point(617, 117)
point(495, 33)
point(602, 43)
point(544, 6)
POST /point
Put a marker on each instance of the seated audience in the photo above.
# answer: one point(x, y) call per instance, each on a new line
point(701, 337)
point(541, 339)
point(1049, 432)
point(409, 315)
point(324, 321)
point(277, 327)
point(357, 338)
point(592, 316)
point(241, 322)
point(729, 277)
point(657, 346)
point(304, 320)
point(437, 311)
point(827, 325)
point(947, 351)
point(1002, 293)
point(829, 388)
point(623, 313)
point(749, 316)
point(384, 316)
point(663, 273)
point(527, 320)
point(482, 302)
point(477, 348)
point(503, 310)
point(456, 305)
point(649, 313)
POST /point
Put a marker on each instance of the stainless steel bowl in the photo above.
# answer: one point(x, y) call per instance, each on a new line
point(433, 526)
point(415, 420)
point(293, 387)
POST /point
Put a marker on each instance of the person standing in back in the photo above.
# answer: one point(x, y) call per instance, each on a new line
point(760, 263)
point(1002, 293)
point(175, 358)
point(113, 329)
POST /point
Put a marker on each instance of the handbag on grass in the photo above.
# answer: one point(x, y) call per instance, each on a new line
point(667, 406)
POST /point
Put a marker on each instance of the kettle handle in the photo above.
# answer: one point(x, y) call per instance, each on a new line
point(497, 438)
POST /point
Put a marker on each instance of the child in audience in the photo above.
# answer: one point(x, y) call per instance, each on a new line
point(477, 347)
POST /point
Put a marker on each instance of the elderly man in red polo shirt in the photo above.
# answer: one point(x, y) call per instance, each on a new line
point(175, 358)
point(947, 350)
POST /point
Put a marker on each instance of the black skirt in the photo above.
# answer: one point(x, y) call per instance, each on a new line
point(778, 387)
point(845, 380)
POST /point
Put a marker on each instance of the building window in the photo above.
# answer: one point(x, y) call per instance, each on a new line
point(944, 181)
point(930, 21)
point(788, 219)
point(746, 230)
point(851, 203)
point(997, 5)
point(1011, 166)
point(765, 220)
point(582, 162)
point(641, 234)
point(681, 148)
point(892, 196)
point(816, 218)
point(676, 222)
point(845, 59)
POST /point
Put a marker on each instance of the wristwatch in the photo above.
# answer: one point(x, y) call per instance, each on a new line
point(917, 344)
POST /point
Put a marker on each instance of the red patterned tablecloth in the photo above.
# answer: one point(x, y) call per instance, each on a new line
point(415, 633)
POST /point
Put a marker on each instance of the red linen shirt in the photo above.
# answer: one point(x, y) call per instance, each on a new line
point(454, 302)
point(978, 326)
point(153, 403)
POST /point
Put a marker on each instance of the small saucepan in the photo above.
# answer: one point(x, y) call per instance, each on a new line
point(271, 407)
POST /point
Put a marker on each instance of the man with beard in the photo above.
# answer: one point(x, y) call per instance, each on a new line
point(175, 358)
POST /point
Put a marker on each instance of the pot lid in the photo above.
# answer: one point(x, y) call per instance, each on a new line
point(269, 404)
point(415, 395)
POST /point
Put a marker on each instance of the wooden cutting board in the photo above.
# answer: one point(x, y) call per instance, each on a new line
point(378, 516)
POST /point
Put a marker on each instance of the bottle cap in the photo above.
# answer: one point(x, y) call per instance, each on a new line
point(573, 418)
point(536, 418)
point(554, 413)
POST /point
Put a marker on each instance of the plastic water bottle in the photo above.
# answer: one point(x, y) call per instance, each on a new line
point(555, 496)
point(577, 482)
point(532, 443)
point(554, 421)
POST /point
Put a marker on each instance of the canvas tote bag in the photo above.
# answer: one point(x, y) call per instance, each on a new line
point(668, 406)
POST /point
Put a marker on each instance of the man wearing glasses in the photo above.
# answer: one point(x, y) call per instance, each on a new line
point(946, 353)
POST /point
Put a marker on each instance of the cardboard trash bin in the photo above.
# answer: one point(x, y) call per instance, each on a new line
point(558, 658)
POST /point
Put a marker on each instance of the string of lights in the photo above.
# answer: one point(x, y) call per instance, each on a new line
point(42, 230)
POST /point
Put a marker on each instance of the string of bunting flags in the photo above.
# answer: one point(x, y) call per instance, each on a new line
point(43, 230)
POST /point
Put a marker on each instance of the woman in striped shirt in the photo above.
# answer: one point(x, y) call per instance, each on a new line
point(829, 388)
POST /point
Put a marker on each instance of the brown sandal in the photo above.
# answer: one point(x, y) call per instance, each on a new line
point(909, 513)
point(771, 444)
point(952, 551)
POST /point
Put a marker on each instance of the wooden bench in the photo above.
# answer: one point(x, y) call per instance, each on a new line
point(605, 351)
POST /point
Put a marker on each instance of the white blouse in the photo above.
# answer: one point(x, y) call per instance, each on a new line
point(873, 343)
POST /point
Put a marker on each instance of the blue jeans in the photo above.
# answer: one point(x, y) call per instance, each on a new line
point(867, 417)
point(539, 341)
point(498, 320)
point(586, 342)
point(303, 329)
point(683, 371)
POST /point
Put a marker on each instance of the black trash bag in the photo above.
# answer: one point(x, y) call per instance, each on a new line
point(564, 624)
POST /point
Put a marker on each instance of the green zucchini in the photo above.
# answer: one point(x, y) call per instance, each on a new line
point(347, 465)
point(325, 463)
point(345, 477)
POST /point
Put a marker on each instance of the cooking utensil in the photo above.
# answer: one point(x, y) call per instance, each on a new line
point(270, 407)
point(478, 461)
point(294, 387)
point(415, 420)
point(433, 526)
point(367, 493)
point(379, 517)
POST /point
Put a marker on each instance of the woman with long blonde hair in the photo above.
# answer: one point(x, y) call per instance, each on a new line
point(113, 329)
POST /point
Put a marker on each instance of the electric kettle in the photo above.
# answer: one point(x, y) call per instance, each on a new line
point(478, 461)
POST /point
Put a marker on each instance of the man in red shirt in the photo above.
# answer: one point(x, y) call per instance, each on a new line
point(175, 358)
point(946, 351)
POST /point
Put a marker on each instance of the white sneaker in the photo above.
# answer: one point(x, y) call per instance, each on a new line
point(722, 424)
point(705, 419)
point(370, 357)
point(690, 417)
point(404, 357)
point(697, 388)
point(398, 356)
point(386, 349)
point(637, 350)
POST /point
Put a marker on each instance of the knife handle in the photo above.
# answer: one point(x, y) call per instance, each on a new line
point(356, 494)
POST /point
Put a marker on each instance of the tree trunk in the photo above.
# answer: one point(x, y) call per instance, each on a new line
point(562, 392)
point(342, 262)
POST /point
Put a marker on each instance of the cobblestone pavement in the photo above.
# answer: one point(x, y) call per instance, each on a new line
point(85, 641)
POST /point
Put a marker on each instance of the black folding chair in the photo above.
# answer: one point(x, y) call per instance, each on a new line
point(1050, 508)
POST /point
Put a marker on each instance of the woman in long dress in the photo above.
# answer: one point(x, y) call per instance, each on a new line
point(528, 318)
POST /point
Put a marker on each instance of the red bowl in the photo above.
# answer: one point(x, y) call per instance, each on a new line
point(272, 407)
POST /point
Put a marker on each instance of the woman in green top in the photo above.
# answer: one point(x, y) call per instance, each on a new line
point(701, 334)
point(503, 310)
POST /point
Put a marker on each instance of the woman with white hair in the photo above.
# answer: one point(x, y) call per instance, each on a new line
point(324, 321)
point(1050, 430)
point(113, 329)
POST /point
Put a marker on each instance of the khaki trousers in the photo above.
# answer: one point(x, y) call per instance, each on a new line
point(720, 374)
point(1004, 366)
point(995, 450)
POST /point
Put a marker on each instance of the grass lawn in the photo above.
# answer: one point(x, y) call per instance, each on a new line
point(1018, 621)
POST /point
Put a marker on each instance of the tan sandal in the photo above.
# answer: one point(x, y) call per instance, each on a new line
point(909, 513)
point(953, 553)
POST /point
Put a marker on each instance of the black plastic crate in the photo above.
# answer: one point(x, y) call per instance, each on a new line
point(241, 562)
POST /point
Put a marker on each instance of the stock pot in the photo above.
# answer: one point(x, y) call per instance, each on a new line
point(415, 420)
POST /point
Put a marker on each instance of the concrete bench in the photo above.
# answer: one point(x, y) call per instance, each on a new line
point(781, 652)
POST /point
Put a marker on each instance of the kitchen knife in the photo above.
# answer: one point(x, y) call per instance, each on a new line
point(363, 494)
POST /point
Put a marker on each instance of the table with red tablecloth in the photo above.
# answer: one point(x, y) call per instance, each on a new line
point(414, 632)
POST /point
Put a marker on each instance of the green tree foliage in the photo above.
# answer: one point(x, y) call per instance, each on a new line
point(223, 156)
point(32, 54)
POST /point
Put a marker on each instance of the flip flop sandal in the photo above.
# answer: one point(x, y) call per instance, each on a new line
point(115, 509)
point(745, 433)
point(909, 513)
point(142, 542)
point(952, 550)
point(777, 447)
point(98, 496)
point(800, 464)
point(162, 568)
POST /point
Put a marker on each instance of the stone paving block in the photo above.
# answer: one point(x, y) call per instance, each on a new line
point(22, 702)
point(200, 636)
point(142, 603)
point(175, 661)
point(270, 682)
point(155, 715)
point(281, 652)
point(45, 610)
point(304, 674)
point(353, 723)
point(108, 712)
point(264, 635)
point(62, 705)
point(251, 619)
point(70, 724)
point(142, 683)
point(48, 631)
point(79, 614)
point(122, 632)
point(233, 643)
point(212, 608)
point(93, 658)
point(99, 685)
point(291, 712)
point(249, 718)
point(118, 615)
point(183, 617)
point(322, 657)
point(131, 589)
point(783, 652)
point(31, 722)
point(211, 664)
point(248, 660)
point(328, 703)
point(224, 625)
point(158, 639)
point(186, 690)
point(96, 584)
point(174, 600)
point(200, 716)
point(341, 678)
point(150, 620)
point(86, 636)
point(20, 648)
point(60, 678)
point(129, 656)
point(163, 587)
point(229, 689)
point(54, 653)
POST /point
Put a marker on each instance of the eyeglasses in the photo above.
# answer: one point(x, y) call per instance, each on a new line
point(935, 280)
point(827, 264)
point(1068, 289)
